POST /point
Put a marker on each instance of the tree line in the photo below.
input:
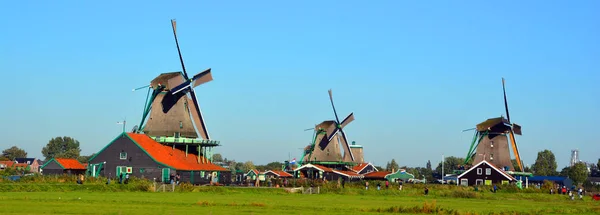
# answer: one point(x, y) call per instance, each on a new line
point(58, 147)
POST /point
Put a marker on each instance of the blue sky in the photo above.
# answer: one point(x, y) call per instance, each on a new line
point(414, 74)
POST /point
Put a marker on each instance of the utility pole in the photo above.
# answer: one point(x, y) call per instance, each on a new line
point(442, 168)
point(122, 123)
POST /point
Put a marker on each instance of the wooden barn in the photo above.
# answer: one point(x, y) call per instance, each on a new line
point(141, 156)
point(484, 173)
point(59, 166)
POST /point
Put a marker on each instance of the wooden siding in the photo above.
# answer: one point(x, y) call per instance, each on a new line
point(136, 158)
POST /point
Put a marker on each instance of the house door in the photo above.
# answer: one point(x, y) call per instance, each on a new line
point(119, 171)
point(166, 174)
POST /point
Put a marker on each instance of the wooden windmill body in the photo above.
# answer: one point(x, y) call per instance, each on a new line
point(330, 144)
point(173, 113)
point(493, 140)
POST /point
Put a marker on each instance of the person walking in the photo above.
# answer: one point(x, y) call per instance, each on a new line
point(366, 185)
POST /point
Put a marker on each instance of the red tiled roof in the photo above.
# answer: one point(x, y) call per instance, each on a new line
point(174, 158)
point(69, 163)
point(8, 163)
point(280, 173)
point(20, 165)
point(381, 174)
point(359, 167)
point(325, 169)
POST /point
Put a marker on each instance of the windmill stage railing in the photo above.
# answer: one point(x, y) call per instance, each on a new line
point(187, 141)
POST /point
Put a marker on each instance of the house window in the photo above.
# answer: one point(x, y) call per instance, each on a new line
point(479, 182)
point(28, 162)
point(464, 182)
point(479, 171)
point(123, 155)
point(488, 171)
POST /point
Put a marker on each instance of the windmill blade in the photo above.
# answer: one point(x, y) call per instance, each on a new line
point(516, 150)
point(202, 77)
point(184, 87)
point(347, 120)
point(517, 129)
point(505, 101)
point(197, 116)
point(334, 112)
point(346, 145)
point(174, 25)
point(332, 130)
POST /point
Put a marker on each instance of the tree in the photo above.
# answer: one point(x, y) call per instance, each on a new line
point(598, 164)
point(545, 164)
point(248, 165)
point(217, 158)
point(450, 163)
point(14, 152)
point(392, 166)
point(61, 147)
point(516, 165)
point(428, 172)
point(84, 158)
point(564, 172)
point(578, 173)
point(274, 166)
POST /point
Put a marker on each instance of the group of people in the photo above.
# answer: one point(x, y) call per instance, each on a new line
point(566, 191)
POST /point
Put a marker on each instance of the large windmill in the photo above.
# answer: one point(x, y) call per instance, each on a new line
point(328, 141)
point(491, 141)
point(172, 107)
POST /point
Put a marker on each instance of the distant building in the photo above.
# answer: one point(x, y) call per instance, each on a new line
point(59, 166)
point(34, 164)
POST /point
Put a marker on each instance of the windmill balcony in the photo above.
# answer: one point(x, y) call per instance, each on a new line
point(186, 141)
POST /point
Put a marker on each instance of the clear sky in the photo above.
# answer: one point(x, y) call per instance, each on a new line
point(414, 74)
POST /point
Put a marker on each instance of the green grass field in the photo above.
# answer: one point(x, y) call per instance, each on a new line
point(223, 200)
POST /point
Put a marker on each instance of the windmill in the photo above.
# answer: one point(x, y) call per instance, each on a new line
point(172, 110)
point(491, 141)
point(328, 137)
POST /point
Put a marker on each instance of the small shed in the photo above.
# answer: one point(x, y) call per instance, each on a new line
point(484, 173)
point(59, 166)
point(252, 175)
